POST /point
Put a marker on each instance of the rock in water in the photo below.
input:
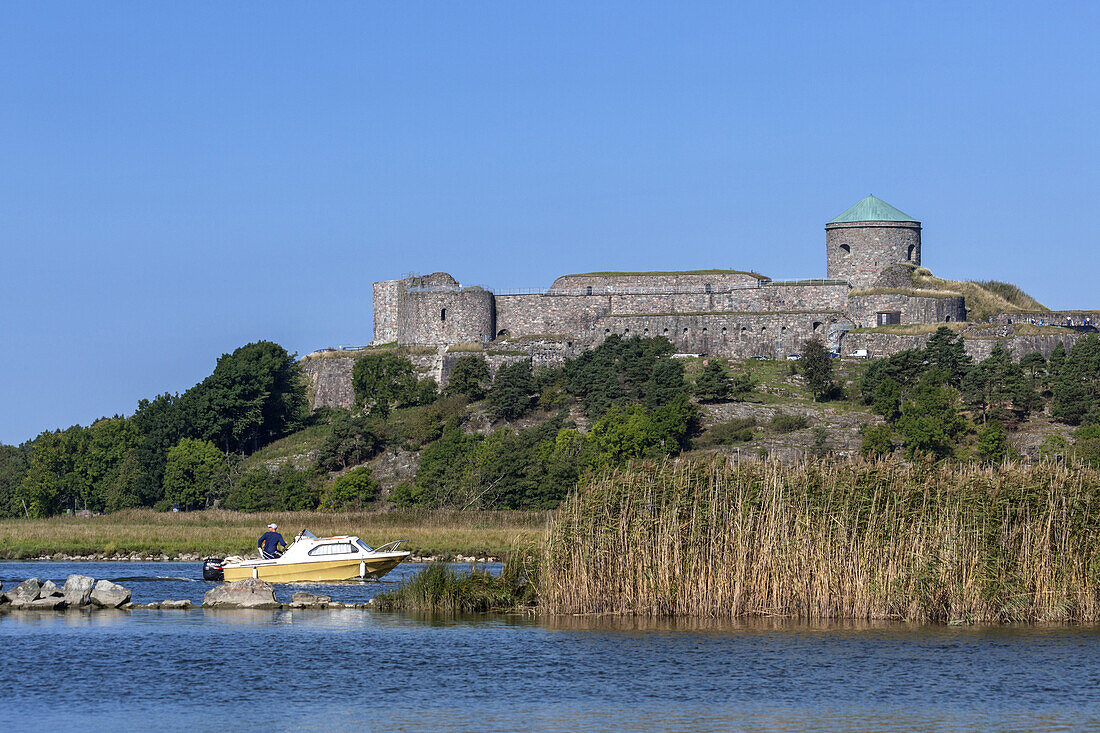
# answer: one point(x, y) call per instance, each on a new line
point(247, 593)
point(302, 599)
point(48, 603)
point(78, 590)
point(23, 593)
point(109, 595)
point(49, 589)
point(177, 605)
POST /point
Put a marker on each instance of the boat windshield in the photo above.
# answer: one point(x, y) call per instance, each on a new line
point(305, 534)
point(365, 546)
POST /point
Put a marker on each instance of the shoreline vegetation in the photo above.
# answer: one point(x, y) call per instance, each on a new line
point(858, 540)
point(707, 537)
point(438, 533)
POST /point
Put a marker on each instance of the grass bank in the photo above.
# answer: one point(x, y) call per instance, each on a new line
point(854, 540)
point(440, 588)
point(219, 532)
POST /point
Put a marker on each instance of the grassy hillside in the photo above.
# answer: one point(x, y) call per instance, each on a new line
point(983, 298)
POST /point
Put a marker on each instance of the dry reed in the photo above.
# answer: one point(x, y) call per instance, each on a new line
point(829, 540)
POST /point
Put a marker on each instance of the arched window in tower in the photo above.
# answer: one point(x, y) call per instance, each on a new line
point(909, 255)
point(443, 314)
point(588, 290)
point(845, 249)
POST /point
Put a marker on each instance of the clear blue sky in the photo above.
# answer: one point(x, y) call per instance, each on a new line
point(178, 179)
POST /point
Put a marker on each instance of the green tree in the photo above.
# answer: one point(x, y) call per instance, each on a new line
point(946, 352)
point(1034, 364)
point(887, 400)
point(817, 368)
point(998, 385)
point(992, 442)
point(254, 396)
point(714, 383)
point(349, 442)
point(469, 377)
point(195, 474)
point(1076, 383)
point(665, 383)
point(877, 441)
point(351, 492)
point(382, 380)
point(14, 463)
point(930, 420)
point(513, 390)
point(624, 434)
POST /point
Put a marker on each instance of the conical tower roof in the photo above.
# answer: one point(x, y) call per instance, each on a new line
point(871, 209)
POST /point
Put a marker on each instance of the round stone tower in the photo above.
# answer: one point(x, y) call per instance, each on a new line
point(868, 238)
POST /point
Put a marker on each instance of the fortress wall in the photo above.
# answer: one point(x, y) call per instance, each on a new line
point(873, 247)
point(578, 284)
point(767, 298)
point(387, 300)
point(865, 308)
point(446, 317)
point(527, 315)
point(1077, 319)
point(736, 335)
point(883, 344)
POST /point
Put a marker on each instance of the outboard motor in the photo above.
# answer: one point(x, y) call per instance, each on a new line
point(212, 569)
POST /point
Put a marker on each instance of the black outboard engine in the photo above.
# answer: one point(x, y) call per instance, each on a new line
point(212, 569)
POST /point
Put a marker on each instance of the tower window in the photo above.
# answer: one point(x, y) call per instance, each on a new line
point(588, 290)
point(707, 288)
point(909, 256)
point(845, 249)
point(443, 314)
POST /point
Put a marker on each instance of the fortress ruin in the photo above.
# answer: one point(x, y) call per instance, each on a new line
point(871, 251)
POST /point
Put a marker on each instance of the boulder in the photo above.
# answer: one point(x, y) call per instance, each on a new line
point(302, 599)
point(49, 589)
point(49, 603)
point(78, 590)
point(247, 593)
point(23, 593)
point(177, 605)
point(109, 595)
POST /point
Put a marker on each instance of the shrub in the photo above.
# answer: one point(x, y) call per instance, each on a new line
point(469, 378)
point(738, 430)
point(513, 389)
point(350, 492)
point(781, 423)
point(877, 441)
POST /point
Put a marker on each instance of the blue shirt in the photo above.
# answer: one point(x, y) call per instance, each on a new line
point(269, 543)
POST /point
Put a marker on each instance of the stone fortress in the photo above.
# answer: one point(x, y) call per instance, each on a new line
point(871, 252)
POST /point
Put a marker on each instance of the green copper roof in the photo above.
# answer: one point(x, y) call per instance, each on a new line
point(871, 209)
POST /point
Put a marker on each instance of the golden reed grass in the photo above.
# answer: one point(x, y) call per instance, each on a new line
point(829, 540)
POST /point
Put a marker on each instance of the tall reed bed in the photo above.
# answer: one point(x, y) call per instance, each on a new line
point(818, 540)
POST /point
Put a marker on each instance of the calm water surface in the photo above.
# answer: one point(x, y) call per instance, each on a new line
point(369, 670)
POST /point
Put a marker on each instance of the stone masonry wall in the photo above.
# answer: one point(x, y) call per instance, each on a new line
point(884, 344)
point(733, 335)
point(446, 317)
point(874, 247)
point(673, 281)
point(387, 301)
point(865, 308)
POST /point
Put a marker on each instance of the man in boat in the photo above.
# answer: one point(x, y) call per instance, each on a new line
point(271, 543)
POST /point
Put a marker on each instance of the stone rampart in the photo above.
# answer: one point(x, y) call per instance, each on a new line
point(528, 315)
point(883, 344)
point(913, 309)
point(733, 335)
point(640, 282)
point(1080, 319)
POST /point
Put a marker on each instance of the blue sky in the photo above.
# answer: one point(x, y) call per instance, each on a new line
point(181, 179)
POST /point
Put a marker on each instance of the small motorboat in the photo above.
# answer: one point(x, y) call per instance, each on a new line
point(312, 559)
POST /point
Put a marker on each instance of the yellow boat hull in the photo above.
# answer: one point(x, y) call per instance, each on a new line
point(324, 570)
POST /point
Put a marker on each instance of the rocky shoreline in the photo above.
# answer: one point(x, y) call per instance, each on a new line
point(84, 593)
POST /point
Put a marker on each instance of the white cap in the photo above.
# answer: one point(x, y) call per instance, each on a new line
point(272, 526)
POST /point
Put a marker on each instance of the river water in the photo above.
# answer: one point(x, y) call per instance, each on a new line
point(370, 670)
